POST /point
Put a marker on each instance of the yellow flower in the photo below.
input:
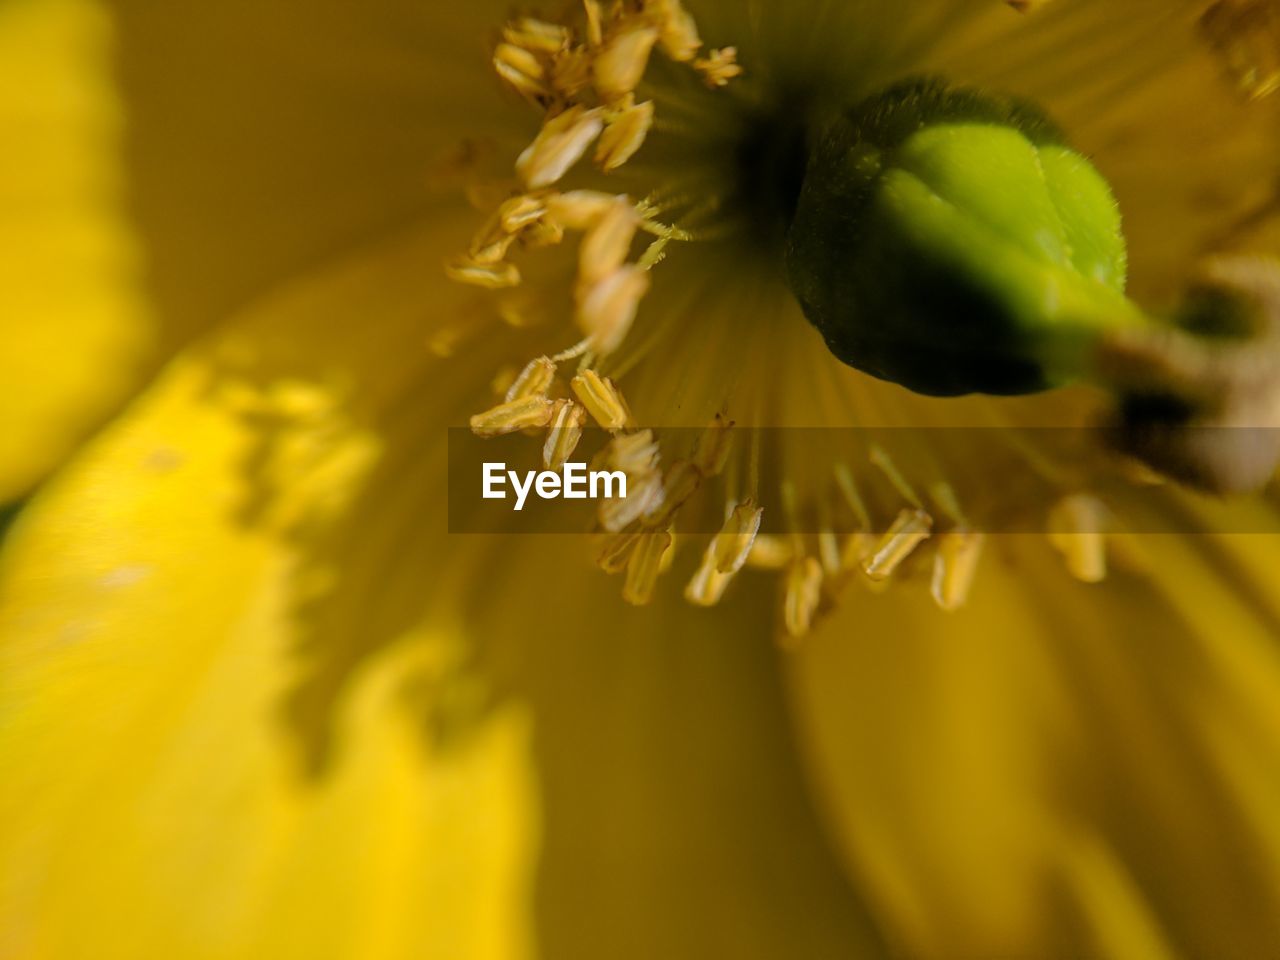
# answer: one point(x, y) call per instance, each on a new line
point(257, 701)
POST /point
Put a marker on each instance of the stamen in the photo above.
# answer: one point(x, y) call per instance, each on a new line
point(604, 249)
point(678, 486)
point(714, 447)
point(636, 455)
point(537, 35)
point(595, 22)
point(581, 209)
point(623, 61)
point(769, 553)
point(560, 144)
point(520, 212)
point(880, 458)
point(803, 595)
point(616, 551)
point(909, 530)
point(609, 308)
point(708, 584)
point(644, 567)
point(564, 434)
point(643, 499)
point(679, 38)
point(1076, 525)
point(491, 276)
point(522, 69)
point(954, 567)
point(523, 414)
point(734, 541)
point(624, 135)
point(603, 400)
point(719, 66)
point(533, 381)
point(849, 488)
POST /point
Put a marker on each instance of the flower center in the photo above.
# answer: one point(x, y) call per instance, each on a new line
point(941, 239)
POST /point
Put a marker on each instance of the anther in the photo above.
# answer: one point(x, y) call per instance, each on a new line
point(719, 67)
point(734, 541)
point(954, 567)
point(909, 530)
point(563, 435)
point(644, 567)
point(533, 381)
point(523, 414)
point(1076, 530)
point(708, 584)
point(623, 60)
point(624, 135)
point(491, 276)
point(560, 144)
point(604, 249)
point(608, 309)
point(803, 595)
point(769, 552)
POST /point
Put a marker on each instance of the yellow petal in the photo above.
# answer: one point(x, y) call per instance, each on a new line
point(1060, 763)
point(73, 328)
point(257, 703)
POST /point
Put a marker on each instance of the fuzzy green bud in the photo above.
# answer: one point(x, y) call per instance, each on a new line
point(950, 241)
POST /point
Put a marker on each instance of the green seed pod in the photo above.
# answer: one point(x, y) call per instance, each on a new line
point(951, 242)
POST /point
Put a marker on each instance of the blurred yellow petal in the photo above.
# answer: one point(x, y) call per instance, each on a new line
point(266, 707)
point(1061, 767)
point(72, 321)
point(265, 138)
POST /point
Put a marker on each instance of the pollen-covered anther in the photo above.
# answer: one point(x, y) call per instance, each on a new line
point(910, 529)
point(603, 400)
point(718, 67)
point(1077, 525)
point(954, 567)
point(520, 212)
point(537, 35)
point(636, 455)
point(615, 551)
point(523, 414)
point(606, 246)
point(561, 143)
point(714, 447)
point(678, 38)
point(491, 276)
point(679, 483)
point(563, 434)
point(1245, 34)
point(769, 552)
point(595, 22)
point(645, 566)
point(624, 135)
point(708, 584)
point(623, 59)
point(582, 209)
point(533, 381)
point(607, 310)
point(803, 595)
point(523, 70)
point(734, 541)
